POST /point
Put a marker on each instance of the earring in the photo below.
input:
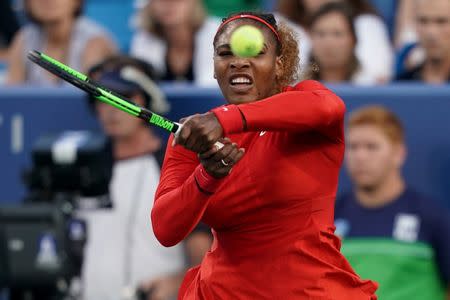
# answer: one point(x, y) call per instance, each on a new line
point(215, 76)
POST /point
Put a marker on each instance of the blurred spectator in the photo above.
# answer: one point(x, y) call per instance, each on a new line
point(432, 19)
point(390, 233)
point(220, 8)
point(333, 58)
point(405, 31)
point(177, 39)
point(302, 40)
point(58, 29)
point(122, 252)
point(8, 27)
point(373, 49)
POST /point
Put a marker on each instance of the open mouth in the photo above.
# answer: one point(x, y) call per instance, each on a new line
point(241, 82)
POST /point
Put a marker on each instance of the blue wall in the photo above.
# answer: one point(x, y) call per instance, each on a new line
point(424, 111)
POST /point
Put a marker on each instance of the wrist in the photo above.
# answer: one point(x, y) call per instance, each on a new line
point(230, 118)
point(205, 182)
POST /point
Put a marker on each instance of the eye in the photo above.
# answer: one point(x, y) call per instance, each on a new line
point(441, 21)
point(372, 147)
point(422, 20)
point(224, 53)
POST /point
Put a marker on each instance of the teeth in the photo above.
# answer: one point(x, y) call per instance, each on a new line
point(238, 80)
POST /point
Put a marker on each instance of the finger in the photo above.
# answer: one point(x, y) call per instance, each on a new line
point(181, 138)
point(224, 152)
point(216, 147)
point(202, 143)
point(235, 157)
point(183, 120)
point(206, 140)
point(196, 138)
point(239, 155)
point(228, 160)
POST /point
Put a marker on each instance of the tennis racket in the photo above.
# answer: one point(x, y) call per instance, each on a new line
point(81, 81)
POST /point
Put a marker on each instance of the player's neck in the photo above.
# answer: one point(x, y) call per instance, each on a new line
point(142, 142)
point(383, 194)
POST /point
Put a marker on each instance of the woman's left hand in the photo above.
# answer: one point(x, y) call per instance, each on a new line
point(199, 132)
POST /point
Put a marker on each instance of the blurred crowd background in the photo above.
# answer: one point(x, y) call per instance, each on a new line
point(388, 59)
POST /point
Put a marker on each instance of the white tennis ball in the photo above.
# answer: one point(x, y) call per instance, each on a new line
point(246, 41)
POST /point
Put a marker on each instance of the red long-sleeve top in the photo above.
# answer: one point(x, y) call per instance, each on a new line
point(272, 216)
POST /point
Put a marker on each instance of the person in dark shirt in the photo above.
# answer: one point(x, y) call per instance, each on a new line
point(390, 232)
point(433, 29)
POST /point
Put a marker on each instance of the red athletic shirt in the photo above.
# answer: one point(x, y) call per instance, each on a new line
point(272, 216)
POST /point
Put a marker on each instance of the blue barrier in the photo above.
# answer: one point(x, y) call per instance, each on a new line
point(26, 113)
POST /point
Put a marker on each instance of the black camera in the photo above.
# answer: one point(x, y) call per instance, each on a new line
point(41, 240)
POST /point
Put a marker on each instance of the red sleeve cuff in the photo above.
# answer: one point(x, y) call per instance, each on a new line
point(230, 118)
point(206, 182)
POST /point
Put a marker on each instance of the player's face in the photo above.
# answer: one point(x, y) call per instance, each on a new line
point(371, 157)
point(48, 11)
point(172, 12)
point(433, 26)
point(116, 123)
point(246, 79)
point(332, 41)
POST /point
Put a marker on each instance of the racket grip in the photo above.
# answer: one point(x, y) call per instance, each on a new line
point(218, 144)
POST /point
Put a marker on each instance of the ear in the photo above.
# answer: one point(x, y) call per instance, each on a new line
point(278, 67)
point(401, 154)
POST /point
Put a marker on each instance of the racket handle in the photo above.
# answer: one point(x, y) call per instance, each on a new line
point(218, 144)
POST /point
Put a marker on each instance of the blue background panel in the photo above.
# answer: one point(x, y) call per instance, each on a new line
point(423, 109)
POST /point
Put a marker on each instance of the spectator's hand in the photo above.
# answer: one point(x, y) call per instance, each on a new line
point(199, 132)
point(219, 162)
point(164, 288)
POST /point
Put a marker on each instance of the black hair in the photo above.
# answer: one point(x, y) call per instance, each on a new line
point(28, 14)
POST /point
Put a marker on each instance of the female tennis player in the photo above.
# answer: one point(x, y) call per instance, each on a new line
point(271, 208)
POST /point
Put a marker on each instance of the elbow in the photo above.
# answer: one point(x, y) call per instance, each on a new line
point(166, 241)
point(162, 231)
point(334, 111)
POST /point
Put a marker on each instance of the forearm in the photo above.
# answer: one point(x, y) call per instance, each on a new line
point(176, 212)
point(293, 111)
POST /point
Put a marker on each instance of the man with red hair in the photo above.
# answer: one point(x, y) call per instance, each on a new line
point(390, 233)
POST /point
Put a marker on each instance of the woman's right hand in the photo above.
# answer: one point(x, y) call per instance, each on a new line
point(219, 162)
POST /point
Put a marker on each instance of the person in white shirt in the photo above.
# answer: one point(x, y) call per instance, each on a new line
point(373, 48)
point(333, 55)
point(176, 37)
point(58, 28)
point(122, 253)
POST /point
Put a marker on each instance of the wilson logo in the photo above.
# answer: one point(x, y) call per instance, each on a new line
point(161, 122)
